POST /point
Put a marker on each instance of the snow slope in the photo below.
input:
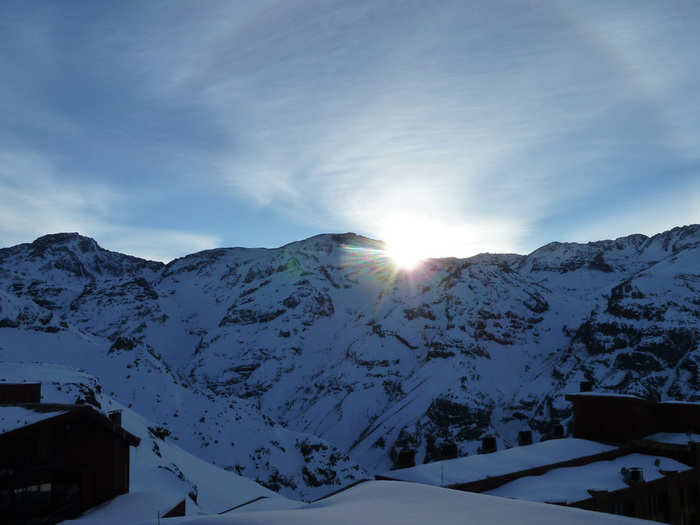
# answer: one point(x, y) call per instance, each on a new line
point(396, 503)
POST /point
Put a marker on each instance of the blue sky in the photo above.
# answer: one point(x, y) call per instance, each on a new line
point(164, 128)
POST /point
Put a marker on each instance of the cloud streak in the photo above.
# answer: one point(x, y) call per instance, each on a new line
point(34, 202)
point(506, 125)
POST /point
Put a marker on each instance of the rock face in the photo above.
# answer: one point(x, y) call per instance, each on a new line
point(283, 364)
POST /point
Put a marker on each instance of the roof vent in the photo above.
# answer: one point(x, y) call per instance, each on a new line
point(524, 437)
point(406, 458)
point(558, 431)
point(632, 475)
point(448, 450)
point(488, 445)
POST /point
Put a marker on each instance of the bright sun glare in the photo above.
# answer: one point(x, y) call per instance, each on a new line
point(405, 257)
point(410, 241)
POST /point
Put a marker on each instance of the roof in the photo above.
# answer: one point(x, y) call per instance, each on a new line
point(608, 395)
point(14, 418)
point(571, 484)
point(474, 468)
point(266, 503)
point(674, 438)
point(614, 395)
point(129, 508)
point(396, 503)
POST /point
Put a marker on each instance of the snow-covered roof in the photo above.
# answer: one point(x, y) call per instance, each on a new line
point(604, 394)
point(396, 503)
point(268, 503)
point(14, 417)
point(131, 507)
point(570, 484)
point(674, 438)
point(473, 468)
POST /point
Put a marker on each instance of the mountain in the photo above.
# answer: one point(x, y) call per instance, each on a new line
point(304, 366)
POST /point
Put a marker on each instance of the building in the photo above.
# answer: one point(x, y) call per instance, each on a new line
point(632, 483)
point(618, 418)
point(628, 456)
point(56, 461)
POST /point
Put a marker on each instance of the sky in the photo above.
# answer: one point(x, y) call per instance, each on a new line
point(162, 128)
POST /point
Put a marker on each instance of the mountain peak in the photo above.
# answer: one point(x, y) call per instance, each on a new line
point(327, 241)
point(84, 244)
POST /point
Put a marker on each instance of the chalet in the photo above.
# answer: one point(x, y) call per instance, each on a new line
point(56, 461)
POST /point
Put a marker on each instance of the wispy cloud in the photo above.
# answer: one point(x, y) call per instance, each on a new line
point(34, 201)
point(455, 114)
point(506, 124)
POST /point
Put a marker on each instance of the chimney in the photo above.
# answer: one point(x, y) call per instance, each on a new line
point(558, 431)
point(632, 475)
point(524, 437)
point(636, 475)
point(586, 386)
point(407, 458)
point(115, 417)
point(488, 445)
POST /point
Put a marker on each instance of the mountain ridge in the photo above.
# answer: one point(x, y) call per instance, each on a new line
point(341, 359)
point(349, 238)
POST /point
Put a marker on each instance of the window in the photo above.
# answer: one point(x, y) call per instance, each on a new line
point(4, 499)
point(653, 503)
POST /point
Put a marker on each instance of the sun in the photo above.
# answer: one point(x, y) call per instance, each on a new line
point(413, 239)
point(405, 257)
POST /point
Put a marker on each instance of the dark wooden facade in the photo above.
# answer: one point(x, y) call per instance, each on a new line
point(61, 466)
point(619, 419)
point(675, 498)
point(18, 393)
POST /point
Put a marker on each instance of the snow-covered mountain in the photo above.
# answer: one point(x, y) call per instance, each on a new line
point(304, 366)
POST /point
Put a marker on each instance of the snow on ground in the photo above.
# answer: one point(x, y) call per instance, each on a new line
point(473, 468)
point(12, 418)
point(570, 484)
point(396, 503)
point(674, 438)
